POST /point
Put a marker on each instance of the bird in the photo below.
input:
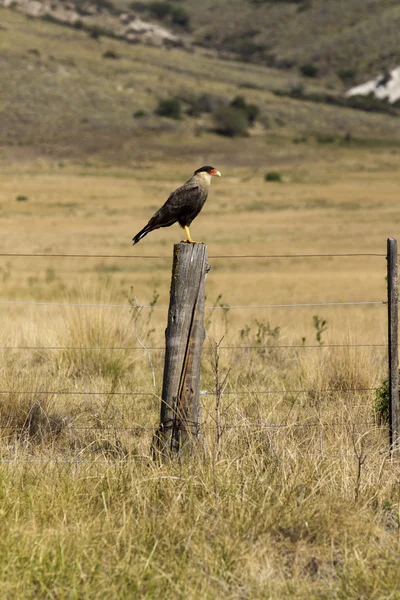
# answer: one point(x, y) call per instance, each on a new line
point(183, 205)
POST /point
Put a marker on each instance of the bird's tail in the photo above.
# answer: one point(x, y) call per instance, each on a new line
point(141, 234)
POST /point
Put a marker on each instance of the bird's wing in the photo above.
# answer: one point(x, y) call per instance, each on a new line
point(170, 212)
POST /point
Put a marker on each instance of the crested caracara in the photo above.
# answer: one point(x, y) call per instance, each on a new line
point(183, 205)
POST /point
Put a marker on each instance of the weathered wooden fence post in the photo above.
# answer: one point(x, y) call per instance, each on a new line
point(180, 406)
point(393, 341)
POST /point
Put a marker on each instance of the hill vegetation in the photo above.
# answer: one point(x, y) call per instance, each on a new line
point(68, 94)
point(348, 40)
point(359, 39)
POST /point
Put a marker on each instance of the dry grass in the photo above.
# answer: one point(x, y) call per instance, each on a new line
point(299, 499)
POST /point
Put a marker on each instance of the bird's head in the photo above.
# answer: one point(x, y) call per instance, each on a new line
point(208, 170)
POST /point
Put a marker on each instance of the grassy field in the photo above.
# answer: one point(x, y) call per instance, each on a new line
point(298, 498)
point(309, 509)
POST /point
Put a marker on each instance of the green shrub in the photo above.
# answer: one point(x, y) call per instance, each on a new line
point(252, 113)
point(139, 114)
point(250, 110)
point(110, 54)
point(138, 6)
point(169, 107)
point(95, 31)
point(347, 75)
point(159, 10)
point(325, 138)
point(309, 70)
point(273, 176)
point(239, 102)
point(106, 4)
point(230, 121)
point(179, 16)
point(21, 198)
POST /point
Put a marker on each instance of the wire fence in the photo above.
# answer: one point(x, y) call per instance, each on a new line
point(165, 306)
point(163, 256)
point(369, 426)
point(229, 347)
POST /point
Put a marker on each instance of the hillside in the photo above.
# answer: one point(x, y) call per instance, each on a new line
point(66, 94)
point(346, 40)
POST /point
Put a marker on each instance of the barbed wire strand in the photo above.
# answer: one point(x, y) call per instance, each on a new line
point(165, 306)
point(213, 256)
point(127, 459)
point(233, 347)
point(202, 393)
point(372, 426)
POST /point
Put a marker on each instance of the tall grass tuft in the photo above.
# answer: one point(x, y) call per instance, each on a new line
point(95, 339)
point(26, 414)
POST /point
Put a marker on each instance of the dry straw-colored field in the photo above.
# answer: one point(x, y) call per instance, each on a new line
point(299, 499)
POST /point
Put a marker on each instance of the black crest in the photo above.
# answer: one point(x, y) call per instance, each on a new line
point(207, 169)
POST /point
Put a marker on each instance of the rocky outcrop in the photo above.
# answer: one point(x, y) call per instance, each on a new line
point(385, 87)
point(135, 29)
point(99, 19)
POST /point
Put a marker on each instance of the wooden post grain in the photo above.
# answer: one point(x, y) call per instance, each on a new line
point(393, 341)
point(180, 406)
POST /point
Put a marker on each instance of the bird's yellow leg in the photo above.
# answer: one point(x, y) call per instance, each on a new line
point(188, 238)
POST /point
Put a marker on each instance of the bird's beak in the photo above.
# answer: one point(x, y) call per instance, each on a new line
point(215, 173)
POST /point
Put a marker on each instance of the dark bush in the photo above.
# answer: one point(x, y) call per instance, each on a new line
point(106, 4)
point(138, 6)
point(52, 19)
point(159, 10)
point(239, 102)
point(252, 113)
point(169, 107)
point(302, 139)
point(247, 48)
point(347, 75)
point(110, 54)
point(139, 114)
point(230, 121)
point(325, 138)
point(250, 110)
point(309, 70)
point(273, 176)
point(95, 31)
point(179, 16)
point(249, 85)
